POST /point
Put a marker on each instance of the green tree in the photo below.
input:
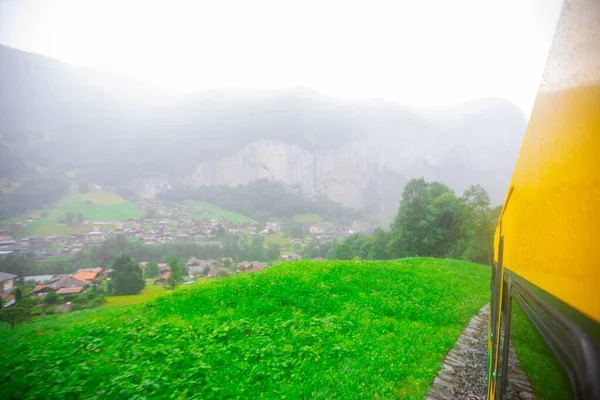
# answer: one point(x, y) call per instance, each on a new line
point(478, 226)
point(222, 274)
point(344, 252)
point(14, 315)
point(51, 298)
point(428, 221)
point(272, 253)
point(80, 218)
point(18, 294)
point(444, 218)
point(151, 270)
point(110, 287)
point(366, 249)
point(257, 253)
point(69, 218)
point(127, 276)
point(175, 277)
point(380, 244)
point(405, 237)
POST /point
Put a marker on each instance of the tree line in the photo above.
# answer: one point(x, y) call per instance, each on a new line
point(32, 195)
point(263, 199)
point(431, 222)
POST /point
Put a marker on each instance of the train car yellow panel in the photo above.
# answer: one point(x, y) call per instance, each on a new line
point(547, 242)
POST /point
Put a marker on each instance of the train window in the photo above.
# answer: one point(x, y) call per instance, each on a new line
point(545, 374)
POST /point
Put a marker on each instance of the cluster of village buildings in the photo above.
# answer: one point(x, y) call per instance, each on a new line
point(70, 284)
point(165, 223)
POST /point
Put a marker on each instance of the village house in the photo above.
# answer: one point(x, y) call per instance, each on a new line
point(69, 290)
point(63, 283)
point(196, 266)
point(251, 266)
point(213, 273)
point(162, 278)
point(41, 290)
point(88, 274)
point(7, 283)
point(7, 242)
point(163, 267)
point(38, 278)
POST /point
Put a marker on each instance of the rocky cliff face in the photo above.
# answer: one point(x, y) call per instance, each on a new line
point(367, 172)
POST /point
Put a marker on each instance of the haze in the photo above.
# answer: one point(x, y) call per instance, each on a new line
point(422, 53)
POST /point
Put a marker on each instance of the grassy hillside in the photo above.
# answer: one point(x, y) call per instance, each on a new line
point(308, 218)
point(97, 204)
point(298, 330)
point(210, 211)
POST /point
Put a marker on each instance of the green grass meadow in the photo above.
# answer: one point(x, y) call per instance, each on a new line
point(94, 205)
point(150, 292)
point(210, 211)
point(308, 329)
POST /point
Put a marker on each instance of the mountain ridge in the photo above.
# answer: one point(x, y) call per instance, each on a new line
point(358, 153)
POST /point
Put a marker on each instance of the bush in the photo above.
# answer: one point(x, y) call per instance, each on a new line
point(51, 298)
point(50, 309)
point(94, 303)
point(110, 287)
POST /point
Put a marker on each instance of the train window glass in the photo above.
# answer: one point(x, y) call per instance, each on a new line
point(546, 375)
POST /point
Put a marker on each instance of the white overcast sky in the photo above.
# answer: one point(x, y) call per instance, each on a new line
point(420, 52)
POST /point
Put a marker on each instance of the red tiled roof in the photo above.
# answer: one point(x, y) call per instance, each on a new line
point(69, 290)
point(39, 287)
point(84, 276)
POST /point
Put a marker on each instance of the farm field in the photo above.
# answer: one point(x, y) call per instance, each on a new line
point(210, 211)
point(308, 329)
point(94, 205)
point(278, 240)
point(150, 292)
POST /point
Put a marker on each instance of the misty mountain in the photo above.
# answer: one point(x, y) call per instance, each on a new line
point(357, 153)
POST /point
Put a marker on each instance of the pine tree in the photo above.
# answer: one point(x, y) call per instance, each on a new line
point(175, 277)
point(127, 276)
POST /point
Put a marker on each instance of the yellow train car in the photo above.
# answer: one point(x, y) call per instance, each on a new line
point(546, 268)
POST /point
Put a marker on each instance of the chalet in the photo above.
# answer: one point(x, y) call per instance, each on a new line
point(65, 283)
point(38, 278)
point(197, 267)
point(163, 267)
point(88, 274)
point(244, 266)
point(163, 277)
point(70, 290)
point(213, 273)
point(7, 282)
point(251, 266)
point(41, 289)
point(7, 242)
point(291, 257)
point(143, 264)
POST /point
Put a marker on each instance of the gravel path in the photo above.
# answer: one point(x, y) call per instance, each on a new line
point(463, 374)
